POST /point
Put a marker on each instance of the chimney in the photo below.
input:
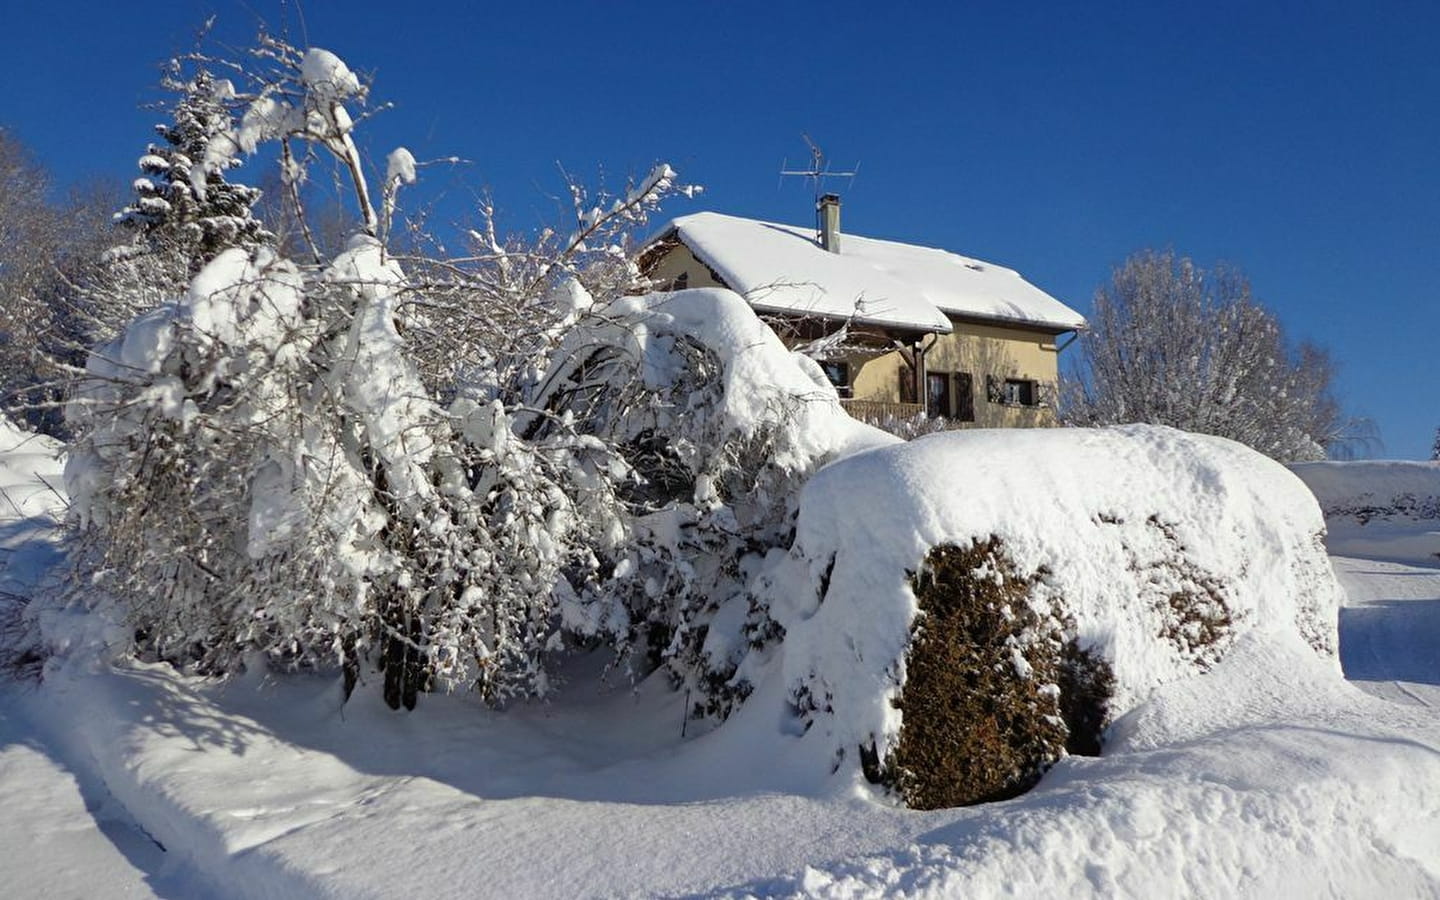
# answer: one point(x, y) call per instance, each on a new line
point(827, 212)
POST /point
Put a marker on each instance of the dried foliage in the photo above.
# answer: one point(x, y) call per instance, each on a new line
point(995, 690)
point(1192, 605)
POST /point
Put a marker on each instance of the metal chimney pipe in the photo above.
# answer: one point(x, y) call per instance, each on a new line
point(827, 212)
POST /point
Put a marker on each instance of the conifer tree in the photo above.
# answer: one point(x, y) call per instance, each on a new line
point(183, 212)
point(183, 202)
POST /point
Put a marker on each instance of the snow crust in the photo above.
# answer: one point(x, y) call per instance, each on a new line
point(1114, 522)
point(782, 269)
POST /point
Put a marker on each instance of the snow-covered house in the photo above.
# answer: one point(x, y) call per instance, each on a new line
point(898, 328)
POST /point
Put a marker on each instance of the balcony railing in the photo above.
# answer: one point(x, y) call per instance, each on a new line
point(877, 411)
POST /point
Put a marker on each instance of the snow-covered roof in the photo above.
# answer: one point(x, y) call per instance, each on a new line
point(782, 268)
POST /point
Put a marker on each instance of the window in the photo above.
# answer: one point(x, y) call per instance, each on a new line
point(838, 371)
point(1019, 392)
point(681, 282)
point(964, 397)
point(937, 394)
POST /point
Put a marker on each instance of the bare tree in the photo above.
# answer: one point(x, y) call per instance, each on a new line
point(1173, 344)
point(46, 246)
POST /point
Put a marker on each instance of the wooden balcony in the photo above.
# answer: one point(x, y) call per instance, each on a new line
point(877, 411)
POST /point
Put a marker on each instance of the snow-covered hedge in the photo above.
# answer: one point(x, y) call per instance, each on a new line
point(1369, 489)
point(1151, 547)
point(1378, 509)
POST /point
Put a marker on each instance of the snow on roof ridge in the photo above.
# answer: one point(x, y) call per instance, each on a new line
point(922, 286)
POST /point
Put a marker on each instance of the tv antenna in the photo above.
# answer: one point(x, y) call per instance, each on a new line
point(819, 169)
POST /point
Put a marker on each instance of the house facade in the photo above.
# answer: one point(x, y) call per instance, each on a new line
point(899, 329)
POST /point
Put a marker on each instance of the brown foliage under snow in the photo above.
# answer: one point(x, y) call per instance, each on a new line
point(994, 693)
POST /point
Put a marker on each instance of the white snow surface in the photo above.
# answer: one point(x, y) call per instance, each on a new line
point(29, 487)
point(782, 269)
point(1268, 776)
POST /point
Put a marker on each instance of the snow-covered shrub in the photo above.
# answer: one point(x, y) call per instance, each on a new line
point(720, 425)
point(240, 453)
point(450, 467)
point(1153, 549)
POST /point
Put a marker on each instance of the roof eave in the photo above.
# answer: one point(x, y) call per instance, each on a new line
point(1015, 322)
point(890, 324)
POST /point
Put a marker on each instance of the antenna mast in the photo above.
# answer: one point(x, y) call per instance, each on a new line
point(819, 169)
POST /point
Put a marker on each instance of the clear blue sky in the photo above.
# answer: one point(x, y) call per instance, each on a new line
point(1299, 141)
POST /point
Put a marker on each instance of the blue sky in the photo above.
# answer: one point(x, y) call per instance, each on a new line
point(1297, 141)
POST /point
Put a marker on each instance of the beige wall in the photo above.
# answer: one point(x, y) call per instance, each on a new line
point(980, 350)
point(680, 260)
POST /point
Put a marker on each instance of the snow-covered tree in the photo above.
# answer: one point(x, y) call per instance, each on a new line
point(1172, 344)
point(267, 464)
point(183, 203)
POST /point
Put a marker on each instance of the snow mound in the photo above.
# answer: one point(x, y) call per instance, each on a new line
point(1164, 547)
point(1269, 777)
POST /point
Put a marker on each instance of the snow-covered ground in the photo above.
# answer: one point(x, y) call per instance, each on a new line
point(1268, 776)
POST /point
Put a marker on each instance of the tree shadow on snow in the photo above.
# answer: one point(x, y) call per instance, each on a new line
point(620, 745)
point(163, 876)
point(1391, 640)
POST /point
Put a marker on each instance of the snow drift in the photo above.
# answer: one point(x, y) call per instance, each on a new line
point(1161, 547)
